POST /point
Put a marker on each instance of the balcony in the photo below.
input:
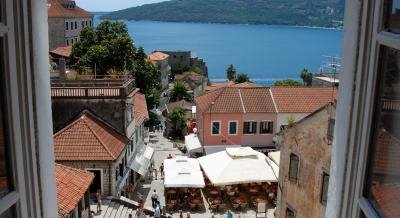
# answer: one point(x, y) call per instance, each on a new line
point(114, 87)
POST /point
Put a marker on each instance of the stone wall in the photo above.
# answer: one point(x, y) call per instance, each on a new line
point(110, 110)
point(56, 32)
point(308, 140)
point(73, 34)
point(180, 59)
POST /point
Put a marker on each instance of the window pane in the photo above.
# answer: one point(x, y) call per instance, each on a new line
point(293, 167)
point(4, 163)
point(289, 213)
point(383, 181)
point(232, 127)
point(324, 188)
point(215, 128)
point(393, 16)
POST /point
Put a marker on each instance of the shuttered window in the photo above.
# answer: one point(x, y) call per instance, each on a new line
point(293, 167)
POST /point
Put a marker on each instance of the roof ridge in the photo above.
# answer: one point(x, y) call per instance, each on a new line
point(67, 126)
point(74, 169)
point(273, 101)
point(98, 138)
point(241, 101)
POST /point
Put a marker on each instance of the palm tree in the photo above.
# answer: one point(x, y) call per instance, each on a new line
point(179, 91)
point(231, 72)
point(306, 76)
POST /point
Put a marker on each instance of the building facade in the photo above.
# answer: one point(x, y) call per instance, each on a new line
point(185, 59)
point(235, 116)
point(160, 60)
point(305, 165)
point(66, 21)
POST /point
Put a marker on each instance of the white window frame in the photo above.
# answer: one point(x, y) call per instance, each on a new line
point(28, 107)
point(272, 127)
point(220, 127)
point(251, 121)
point(229, 126)
point(361, 53)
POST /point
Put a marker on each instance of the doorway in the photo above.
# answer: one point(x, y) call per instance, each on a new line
point(97, 180)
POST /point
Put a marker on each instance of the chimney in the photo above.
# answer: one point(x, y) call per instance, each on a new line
point(61, 68)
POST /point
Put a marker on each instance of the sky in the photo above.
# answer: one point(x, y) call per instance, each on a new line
point(113, 5)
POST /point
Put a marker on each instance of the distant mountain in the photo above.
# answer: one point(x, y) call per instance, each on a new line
point(321, 13)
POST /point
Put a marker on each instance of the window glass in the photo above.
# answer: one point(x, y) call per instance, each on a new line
point(232, 127)
point(293, 167)
point(72, 25)
point(266, 127)
point(331, 128)
point(76, 25)
point(383, 180)
point(393, 16)
point(324, 187)
point(215, 128)
point(4, 163)
point(249, 127)
point(66, 25)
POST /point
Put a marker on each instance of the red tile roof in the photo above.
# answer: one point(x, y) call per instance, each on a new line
point(302, 99)
point(64, 51)
point(387, 154)
point(387, 196)
point(193, 79)
point(88, 138)
point(232, 99)
point(182, 103)
point(141, 113)
point(246, 84)
point(214, 86)
point(157, 56)
point(71, 187)
point(56, 8)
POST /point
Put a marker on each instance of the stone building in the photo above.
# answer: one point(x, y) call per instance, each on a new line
point(305, 164)
point(185, 59)
point(195, 82)
point(73, 198)
point(160, 60)
point(66, 21)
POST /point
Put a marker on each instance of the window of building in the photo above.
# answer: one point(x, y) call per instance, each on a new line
point(283, 127)
point(324, 188)
point(293, 167)
point(116, 173)
point(249, 127)
point(90, 23)
point(83, 24)
point(76, 25)
point(66, 25)
point(216, 128)
point(72, 25)
point(67, 42)
point(331, 128)
point(266, 127)
point(233, 127)
point(121, 168)
point(290, 213)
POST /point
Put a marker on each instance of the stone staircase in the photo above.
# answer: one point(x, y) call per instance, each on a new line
point(120, 208)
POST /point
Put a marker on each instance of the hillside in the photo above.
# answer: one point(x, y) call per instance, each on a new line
point(321, 13)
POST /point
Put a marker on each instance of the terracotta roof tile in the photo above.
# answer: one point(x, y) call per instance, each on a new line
point(231, 99)
point(140, 109)
point(302, 99)
point(387, 196)
point(182, 103)
point(246, 84)
point(64, 51)
point(157, 56)
point(71, 186)
point(387, 154)
point(88, 138)
point(193, 79)
point(56, 8)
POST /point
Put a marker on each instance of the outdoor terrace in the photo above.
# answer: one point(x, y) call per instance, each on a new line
point(110, 87)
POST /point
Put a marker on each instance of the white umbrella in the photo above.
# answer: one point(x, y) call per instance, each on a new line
point(183, 172)
point(239, 165)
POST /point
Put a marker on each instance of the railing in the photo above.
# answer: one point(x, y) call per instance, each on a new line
point(93, 88)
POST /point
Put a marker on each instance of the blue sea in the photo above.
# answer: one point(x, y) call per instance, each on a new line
point(266, 53)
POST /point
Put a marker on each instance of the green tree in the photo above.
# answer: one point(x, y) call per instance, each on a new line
point(241, 78)
point(179, 91)
point(231, 72)
point(153, 120)
point(106, 47)
point(177, 121)
point(288, 82)
point(306, 76)
point(147, 77)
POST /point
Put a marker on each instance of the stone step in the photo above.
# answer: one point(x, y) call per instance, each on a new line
point(130, 210)
point(114, 210)
point(109, 210)
point(119, 211)
point(124, 212)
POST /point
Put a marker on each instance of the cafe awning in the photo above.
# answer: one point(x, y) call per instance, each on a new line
point(192, 143)
point(142, 160)
point(183, 172)
point(239, 165)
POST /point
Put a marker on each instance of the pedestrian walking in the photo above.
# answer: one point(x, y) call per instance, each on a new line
point(169, 156)
point(155, 173)
point(157, 211)
point(98, 199)
point(154, 198)
point(162, 170)
point(180, 214)
point(161, 127)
